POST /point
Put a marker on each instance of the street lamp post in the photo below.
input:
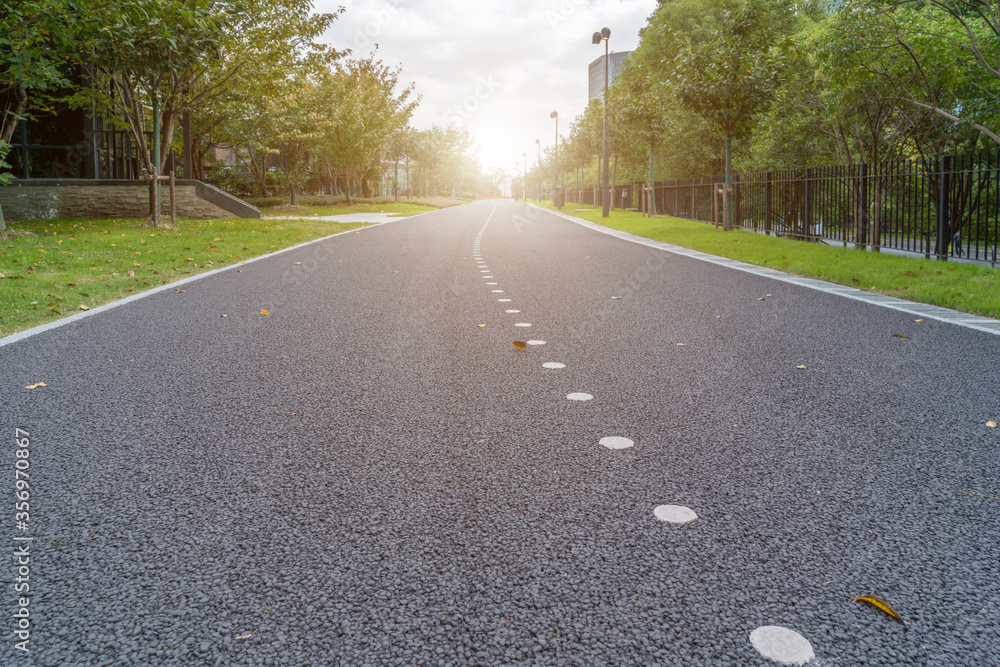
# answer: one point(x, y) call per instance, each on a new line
point(599, 37)
point(524, 181)
point(539, 142)
point(555, 178)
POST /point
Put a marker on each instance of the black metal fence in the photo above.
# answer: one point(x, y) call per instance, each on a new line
point(940, 207)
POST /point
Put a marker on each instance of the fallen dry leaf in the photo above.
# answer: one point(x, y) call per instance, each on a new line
point(521, 345)
point(801, 367)
point(900, 336)
point(36, 385)
point(264, 312)
point(83, 307)
point(920, 320)
point(225, 316)
point(480, 325)
point(762, 299)
point(298, 262)
point(681, 344)
point(879, 603)
point(991, 424)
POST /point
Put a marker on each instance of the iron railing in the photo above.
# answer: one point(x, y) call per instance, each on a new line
point(941, 207)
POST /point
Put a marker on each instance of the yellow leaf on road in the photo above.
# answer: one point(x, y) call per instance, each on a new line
point(900, 336)
point(879, 603)
point(264, 312)
point(36, 385)
point(801, 367)
point(521, 345)
point(991, 424)
point(480, 325)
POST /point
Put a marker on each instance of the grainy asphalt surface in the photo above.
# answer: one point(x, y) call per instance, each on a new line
point(366, 476)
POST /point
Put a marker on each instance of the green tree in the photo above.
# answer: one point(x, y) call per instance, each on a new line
point(730, 76)
point(40, 42)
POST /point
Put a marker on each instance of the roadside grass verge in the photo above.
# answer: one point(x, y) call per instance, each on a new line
point(965, 287)
point(53, 268)
point(322, 205)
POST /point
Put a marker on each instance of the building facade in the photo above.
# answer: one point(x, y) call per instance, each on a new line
point(596, 71)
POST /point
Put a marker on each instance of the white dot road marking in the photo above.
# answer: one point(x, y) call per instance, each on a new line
point(782, 645)
point(503, 300)
point(496, 291)
point(488, 277)
point(616, 442)
point(553, 364)
point(484, 270)
point(675, 514)
point(536, 342)
point(579, 396)
point(492, 283)
point(512, 311)
point(522, 324)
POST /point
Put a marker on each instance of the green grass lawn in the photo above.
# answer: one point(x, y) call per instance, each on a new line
point(53, 268)
point(965, 287)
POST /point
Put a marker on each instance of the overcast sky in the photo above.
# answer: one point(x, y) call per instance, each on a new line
point(498, 68)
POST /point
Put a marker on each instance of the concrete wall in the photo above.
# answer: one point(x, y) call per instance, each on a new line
point(76, 198)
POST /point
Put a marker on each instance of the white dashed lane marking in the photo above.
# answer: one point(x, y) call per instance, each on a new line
point(553, 364)
point(782, 645)
point(536, 342)
point(675, 514)
point(616, 442)
point(579, 396)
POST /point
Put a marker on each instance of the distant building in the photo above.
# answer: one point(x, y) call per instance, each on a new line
point(615, 62)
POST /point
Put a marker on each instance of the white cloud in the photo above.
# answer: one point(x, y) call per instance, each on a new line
point(499, 69)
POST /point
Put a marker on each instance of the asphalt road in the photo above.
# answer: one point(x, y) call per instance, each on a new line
point(368, 476)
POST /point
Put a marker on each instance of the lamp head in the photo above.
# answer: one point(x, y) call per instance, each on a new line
point(597, 38)
point(605, 33)
point(554, 114)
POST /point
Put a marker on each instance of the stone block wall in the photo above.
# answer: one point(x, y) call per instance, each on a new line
point(75, 198)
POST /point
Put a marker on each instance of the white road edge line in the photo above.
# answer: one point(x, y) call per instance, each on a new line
point(27, 333)
point(924, 310)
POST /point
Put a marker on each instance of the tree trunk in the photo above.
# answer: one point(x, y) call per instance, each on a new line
point(614, 175)
point(651, 209)
point(3, 223)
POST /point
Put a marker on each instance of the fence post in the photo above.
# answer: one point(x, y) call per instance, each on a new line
point(807, 214)
point(943, 217)
point(861, 236)
point(768, 178)
point(173, 199)
point(693, 191)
